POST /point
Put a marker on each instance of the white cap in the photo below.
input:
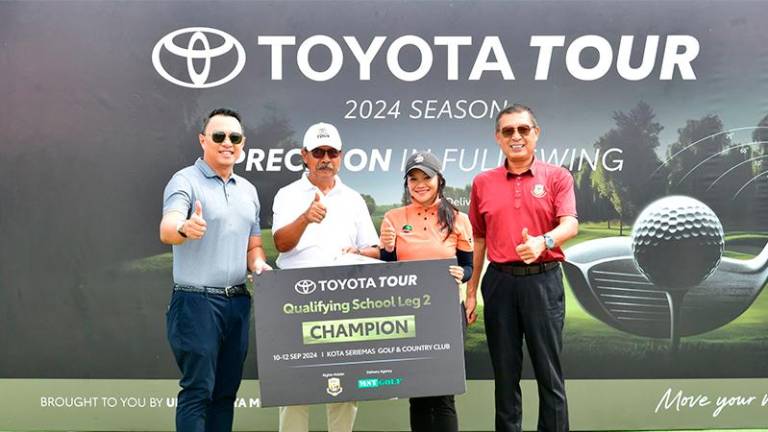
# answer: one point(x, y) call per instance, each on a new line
point(322, 134)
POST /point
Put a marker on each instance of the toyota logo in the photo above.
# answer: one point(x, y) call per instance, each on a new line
point(190, 53)
point(305, 287)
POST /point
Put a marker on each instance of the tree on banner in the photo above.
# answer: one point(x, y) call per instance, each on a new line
point(760, 135)
point(274, 131)
point(591, 206)
point(370, 203)
point(706, 164)
point(630, 189)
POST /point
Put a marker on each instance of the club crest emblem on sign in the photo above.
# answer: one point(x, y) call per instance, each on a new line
point(538, 190)
point(334, 387)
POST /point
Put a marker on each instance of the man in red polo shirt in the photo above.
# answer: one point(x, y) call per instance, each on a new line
point(521, 213)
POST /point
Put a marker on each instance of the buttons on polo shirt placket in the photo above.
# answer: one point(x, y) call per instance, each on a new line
point(226, 193)
point(427, 213)
point(518, 193)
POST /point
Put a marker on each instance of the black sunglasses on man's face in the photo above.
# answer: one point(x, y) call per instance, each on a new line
point(320, 153)
point(523, 130)
point(234, 137)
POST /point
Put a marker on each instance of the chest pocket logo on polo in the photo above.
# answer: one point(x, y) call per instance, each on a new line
point(538, 191)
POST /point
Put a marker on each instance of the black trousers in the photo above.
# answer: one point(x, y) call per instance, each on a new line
point(533, 308)
point(433, 414)
point(437, 413)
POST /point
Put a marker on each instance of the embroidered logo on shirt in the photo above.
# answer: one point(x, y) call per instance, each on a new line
point(407, 228)
point(538, 190)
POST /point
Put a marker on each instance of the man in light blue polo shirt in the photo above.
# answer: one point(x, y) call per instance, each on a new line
point(211, 217)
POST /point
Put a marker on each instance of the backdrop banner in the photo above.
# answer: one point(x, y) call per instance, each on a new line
point(658, 109)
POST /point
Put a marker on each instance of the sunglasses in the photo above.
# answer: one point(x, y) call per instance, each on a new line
point(523, 130)
point(320, 153)
point(234, 137)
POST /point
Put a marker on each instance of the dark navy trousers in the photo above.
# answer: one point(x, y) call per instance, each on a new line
point(531, 308)
point(208, 334)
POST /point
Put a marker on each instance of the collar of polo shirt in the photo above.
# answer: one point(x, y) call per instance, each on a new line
point(432, 206)
point(209, 172)
point(308, 184)
point(531, 169)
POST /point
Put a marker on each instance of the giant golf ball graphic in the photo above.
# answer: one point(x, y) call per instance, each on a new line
point(677, 242)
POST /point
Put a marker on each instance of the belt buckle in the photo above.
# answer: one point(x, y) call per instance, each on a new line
point(226, 291)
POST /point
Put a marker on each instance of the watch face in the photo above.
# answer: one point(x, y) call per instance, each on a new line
point(549, 242)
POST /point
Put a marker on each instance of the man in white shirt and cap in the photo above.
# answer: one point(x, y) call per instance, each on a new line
point(317, 220)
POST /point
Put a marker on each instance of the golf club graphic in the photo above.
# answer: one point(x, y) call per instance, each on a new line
point(656, 284)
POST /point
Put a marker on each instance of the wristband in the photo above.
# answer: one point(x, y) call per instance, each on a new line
point(179, 226)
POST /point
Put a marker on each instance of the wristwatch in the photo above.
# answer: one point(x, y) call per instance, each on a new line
point(179, 226)
point(549, 242)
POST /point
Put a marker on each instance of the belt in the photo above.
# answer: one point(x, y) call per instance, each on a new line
point(522, 269)
point(229, 291)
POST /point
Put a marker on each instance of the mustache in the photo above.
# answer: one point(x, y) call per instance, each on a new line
point(325, 165)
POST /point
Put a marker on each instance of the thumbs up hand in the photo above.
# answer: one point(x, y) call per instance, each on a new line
point(531, 247)
point(388, 236)
point(316, 211)
point(194, 227)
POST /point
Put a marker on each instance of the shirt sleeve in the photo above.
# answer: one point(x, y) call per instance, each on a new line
point(475, 217)
point(279, 211)
point(463, 233)
point(178, 195)
point(256, 227)
point(565, 199)
point(366, 232)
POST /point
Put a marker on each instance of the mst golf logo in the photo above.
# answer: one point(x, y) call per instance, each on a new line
point(198, 47)
point(305, 287)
